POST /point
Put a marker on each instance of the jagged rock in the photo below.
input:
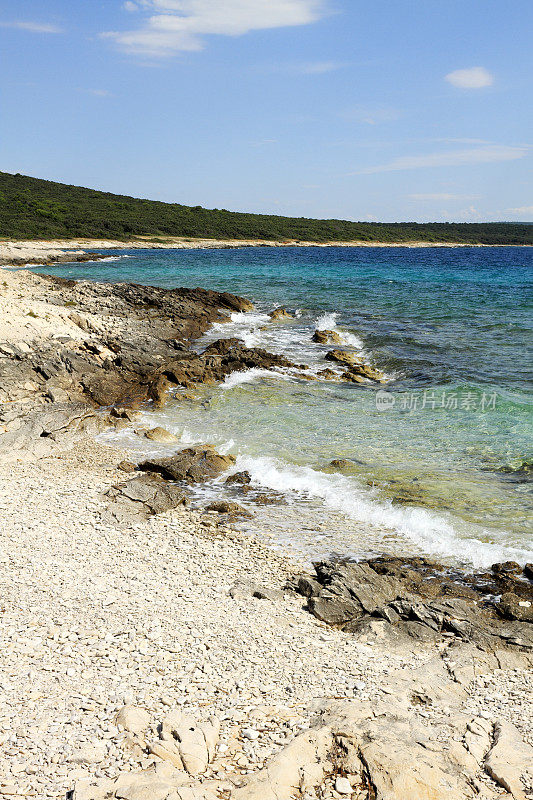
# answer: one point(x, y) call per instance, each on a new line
point(395, 599)
point(343, 357)
point(326, 337)
point(143, 496)
point(241, 478)
point(357, 372)
point(133, 719)
point(280, 313)
point(194, 464)
point(160, 435)
point(512, 607)
point(228, 507)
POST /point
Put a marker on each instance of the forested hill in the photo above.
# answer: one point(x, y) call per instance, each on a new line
point(31, 208)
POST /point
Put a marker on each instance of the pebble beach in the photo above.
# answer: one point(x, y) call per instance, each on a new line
point(103, 623)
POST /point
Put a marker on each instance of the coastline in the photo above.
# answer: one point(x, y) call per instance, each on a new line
point(99, 613)
point(15, 252)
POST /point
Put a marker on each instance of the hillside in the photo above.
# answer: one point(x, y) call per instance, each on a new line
point(31, 208)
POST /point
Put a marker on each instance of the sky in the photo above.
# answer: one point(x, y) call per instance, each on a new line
point(385, 110)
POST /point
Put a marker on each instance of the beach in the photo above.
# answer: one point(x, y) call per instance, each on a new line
point(172, 654)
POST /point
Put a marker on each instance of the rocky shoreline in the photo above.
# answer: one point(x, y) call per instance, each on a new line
point(15, 252)
point(154, 651)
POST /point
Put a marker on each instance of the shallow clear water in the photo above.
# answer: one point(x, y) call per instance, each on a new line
point(450, 327)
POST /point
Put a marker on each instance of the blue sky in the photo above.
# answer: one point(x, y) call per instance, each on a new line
point(402, 110)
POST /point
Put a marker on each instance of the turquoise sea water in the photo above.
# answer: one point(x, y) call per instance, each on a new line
point(434, 457)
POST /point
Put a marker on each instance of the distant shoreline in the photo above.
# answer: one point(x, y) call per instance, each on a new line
point(32, 251)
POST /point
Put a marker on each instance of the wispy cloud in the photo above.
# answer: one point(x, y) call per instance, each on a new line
point(442, 196)
point(371, 114)
point(527, 210)
point(33, 27)
point(450, 158)
point(100, 92)
point(471, 78)
point(174, 26)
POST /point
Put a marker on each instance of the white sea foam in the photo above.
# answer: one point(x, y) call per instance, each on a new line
point(252, 374)
point(328, 322)
point(429, 531)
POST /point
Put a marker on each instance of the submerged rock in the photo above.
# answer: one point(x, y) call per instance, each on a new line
point(160, 435)
point(228, 507)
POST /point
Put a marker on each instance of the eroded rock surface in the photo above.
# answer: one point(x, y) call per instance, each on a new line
point(396, 598)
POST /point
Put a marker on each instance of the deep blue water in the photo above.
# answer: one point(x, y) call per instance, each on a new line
point(452, 330)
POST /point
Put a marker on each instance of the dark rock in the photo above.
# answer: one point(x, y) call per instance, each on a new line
point(242, 478)
point(506, 568)
point(195, 464)
point(512, 607)
point(528, 571)
point(417, 598)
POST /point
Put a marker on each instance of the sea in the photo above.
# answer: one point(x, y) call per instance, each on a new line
point(436, 461)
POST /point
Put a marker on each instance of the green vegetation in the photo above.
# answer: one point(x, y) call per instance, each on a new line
point(31, 208)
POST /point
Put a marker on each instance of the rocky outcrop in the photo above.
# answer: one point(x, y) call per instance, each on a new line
point(192, 465)
point(343, 357)
point(280, 314)
point(418, 599)
point(358, 371)
point(326, 337)
point(384, 749)
point(142, 496)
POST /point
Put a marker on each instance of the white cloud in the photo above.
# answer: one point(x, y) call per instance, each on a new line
point(100, 92)
point(527, 210)
point(33, 27)
point(451, 158)
point(472, 78)
point(129, 6)
point(469, 213)
point(179, 25)
point(442, 196)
